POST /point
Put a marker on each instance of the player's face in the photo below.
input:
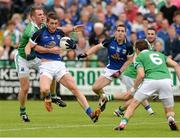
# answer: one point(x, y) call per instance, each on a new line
point(52, 25)
point(120, 34)
point(39, 17)
point(151, 36)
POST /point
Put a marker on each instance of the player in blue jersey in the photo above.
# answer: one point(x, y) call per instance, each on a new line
point(120, 53)
point(46, 45)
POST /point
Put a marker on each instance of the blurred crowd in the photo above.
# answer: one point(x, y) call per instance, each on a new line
point(100, 18)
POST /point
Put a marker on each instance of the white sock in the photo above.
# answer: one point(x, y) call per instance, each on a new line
point(150, 111)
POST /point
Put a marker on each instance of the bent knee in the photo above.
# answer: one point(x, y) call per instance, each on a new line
point(45, 89)
point(95, 88)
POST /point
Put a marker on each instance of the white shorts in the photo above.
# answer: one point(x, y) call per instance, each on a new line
point(163, 87)
point(108, 73)
point(127, 81)
point(23, 66)
point(53, 69)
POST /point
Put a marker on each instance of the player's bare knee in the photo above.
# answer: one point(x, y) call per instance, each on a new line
point(24, 89)
point(45, 89)
point(95, 89)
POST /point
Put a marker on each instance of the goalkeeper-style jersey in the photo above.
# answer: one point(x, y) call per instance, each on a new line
point(154, 64)
point(30, 29)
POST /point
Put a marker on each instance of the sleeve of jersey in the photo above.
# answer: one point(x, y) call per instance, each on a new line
point(130, 50)
point(35, 38)
point(106, 42)
point(138, 63)
point(61, 33)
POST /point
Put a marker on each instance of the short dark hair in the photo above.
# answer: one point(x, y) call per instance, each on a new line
point(176, 13)
point(52, 15)
point(121, 25)
point(152, 28)
point(141, 45)
point(34, 8)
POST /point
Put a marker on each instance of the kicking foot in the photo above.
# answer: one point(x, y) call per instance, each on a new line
point(95, 115)
point(58, 101)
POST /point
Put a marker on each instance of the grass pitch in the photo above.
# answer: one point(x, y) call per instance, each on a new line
point(71, 121)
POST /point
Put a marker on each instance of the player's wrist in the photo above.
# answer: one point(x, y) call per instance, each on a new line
point(132, 89)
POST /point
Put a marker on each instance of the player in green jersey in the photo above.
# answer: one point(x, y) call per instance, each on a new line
point(127, 78)
point(23, 63)
point(153, 75)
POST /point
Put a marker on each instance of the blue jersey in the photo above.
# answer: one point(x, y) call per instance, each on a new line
point(48, 40)
point(117, 54)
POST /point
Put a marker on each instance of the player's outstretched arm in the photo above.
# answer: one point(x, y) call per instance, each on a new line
point(90, 51)
point(68, 29)
point(129, 60)
point(173, 64)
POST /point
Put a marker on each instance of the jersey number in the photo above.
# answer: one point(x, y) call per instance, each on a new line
point(156, 59)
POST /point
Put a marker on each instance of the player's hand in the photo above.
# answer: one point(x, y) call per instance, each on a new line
point(30, 57)
point(70, 44)
point(78, 28)
point(117, 74)
point(83, 55)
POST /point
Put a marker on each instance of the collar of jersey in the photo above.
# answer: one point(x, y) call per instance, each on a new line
point(34, 24)
point(145, 50)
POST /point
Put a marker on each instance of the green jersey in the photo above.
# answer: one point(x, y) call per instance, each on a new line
point(154, 64)
point(130, 71)
point(30, 29)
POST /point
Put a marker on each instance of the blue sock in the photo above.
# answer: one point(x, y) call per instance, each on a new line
point(89, 111)
point(147, 107)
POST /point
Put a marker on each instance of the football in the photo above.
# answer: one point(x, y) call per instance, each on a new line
point(63, 43)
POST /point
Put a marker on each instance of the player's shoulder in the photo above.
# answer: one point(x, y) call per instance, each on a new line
point(40, 31)
point(128, 43)
point(107, 41)
point(60, 31)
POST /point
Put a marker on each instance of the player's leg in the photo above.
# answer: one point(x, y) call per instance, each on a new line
point(22, 97)
point(147, 107)
point(129, 82)
point(97, 87)
point(23, 74)
point(146, 89)
point(99, 84)
point(68, 81)
point(56, 99)
point(169, 112)
point(166, 96)
point(128, 114)
point(45, 82)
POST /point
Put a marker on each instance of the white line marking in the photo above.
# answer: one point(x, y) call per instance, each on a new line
point(77, 126)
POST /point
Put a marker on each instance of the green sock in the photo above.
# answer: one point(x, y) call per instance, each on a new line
point(110, 97)
point(121, 109)
point(22, 110)
point(53, 95)
point(124, 119)
point(48, 96)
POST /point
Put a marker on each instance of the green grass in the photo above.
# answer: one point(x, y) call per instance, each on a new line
point(73, 122)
